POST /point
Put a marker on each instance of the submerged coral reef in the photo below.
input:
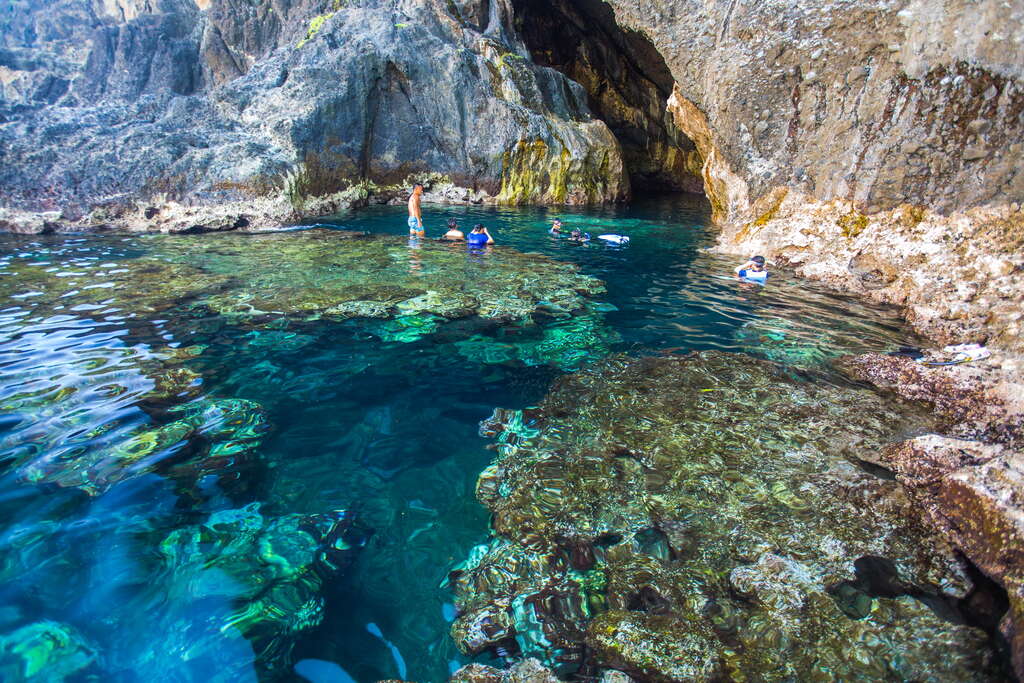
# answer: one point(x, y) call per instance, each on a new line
point(701, 517)
point(44, 651)
point(300, 276)
point(567, 343)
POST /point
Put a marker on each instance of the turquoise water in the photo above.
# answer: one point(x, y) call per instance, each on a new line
point(162, 451)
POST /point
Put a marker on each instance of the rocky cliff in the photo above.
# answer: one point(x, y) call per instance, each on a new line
point(874, 145)
point(106, 104)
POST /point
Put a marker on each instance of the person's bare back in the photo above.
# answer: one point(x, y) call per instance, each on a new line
point(415, 212)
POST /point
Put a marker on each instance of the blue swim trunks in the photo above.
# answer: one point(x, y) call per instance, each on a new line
point(414, 225)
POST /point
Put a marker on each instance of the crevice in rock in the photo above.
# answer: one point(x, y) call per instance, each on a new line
point(628, 85)
point(984, 607)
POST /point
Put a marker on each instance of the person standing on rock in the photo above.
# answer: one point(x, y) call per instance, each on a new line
point(415, 213)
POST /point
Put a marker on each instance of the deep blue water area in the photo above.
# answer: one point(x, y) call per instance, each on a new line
point(111, 567)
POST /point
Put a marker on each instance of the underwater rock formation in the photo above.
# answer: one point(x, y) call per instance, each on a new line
point(789, 343)
point(526, 671)
point(686, 518)
point(212, 436)
point(98, 411)
point(316, 273)
point(566, 343)
point(304, 276)
point(44, 651)
point(270, 568)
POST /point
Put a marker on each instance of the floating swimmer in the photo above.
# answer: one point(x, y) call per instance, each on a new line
point(753, 270)
point(614, 239)
point(578, 235)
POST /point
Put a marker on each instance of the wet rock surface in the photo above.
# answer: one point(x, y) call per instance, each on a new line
point(968, 480)
point(684, 518)
point(526, 671)
point(980, 402)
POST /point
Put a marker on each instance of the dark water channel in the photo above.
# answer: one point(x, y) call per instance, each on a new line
point(161, 451)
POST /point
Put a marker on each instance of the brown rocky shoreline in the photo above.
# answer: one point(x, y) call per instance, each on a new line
point(968, 477)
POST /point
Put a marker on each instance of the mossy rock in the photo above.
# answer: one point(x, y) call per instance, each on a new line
point(852, 224)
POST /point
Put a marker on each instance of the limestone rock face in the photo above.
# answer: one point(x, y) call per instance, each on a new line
point(877, 101)
point(104, 103)
point(873, 145)
point(982, 403)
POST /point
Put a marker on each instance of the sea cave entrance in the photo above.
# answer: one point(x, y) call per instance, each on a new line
point(628, 85)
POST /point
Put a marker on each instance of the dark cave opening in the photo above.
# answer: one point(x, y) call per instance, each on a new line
point(628, 85)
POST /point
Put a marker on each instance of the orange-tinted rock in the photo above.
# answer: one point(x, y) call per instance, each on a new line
point(984, 507)
point(974, 402)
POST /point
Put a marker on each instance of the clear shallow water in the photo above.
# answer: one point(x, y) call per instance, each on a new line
point(102, 464)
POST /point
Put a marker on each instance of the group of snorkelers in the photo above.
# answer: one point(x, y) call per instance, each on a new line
point(754, 269)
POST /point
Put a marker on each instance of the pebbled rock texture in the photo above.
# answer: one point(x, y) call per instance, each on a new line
point(106, 104)
point(982, 402)
point(526, 671)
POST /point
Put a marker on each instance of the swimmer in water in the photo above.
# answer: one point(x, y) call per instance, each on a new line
point(453, 234)
point(556, 227)
point(754, 269)
point(479, 237)
point(578, 235)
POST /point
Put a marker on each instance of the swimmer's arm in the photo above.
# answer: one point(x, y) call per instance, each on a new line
point(745, 266)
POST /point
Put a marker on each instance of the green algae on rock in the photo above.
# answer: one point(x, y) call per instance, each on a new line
point(566, 343)
point(100, 411)
point(271, 281)
point(655, 502)
point(303, 276)
point(212, 435)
